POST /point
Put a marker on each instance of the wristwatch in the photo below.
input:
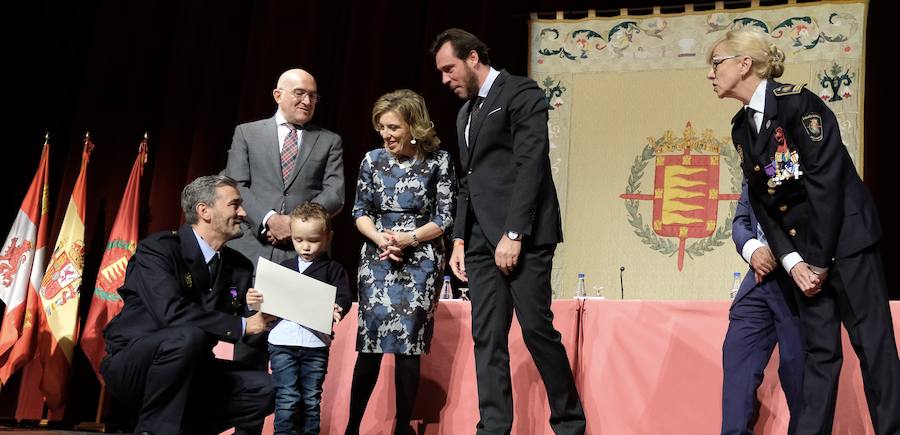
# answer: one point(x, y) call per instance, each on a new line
point(415, 241)
point(512, 235)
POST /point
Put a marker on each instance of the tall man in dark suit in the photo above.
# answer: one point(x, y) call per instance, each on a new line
point(763, 313)
point(280, 163)
point(507, 228)
point(185, 290)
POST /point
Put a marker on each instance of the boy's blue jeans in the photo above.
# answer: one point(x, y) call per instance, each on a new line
point(298, 374)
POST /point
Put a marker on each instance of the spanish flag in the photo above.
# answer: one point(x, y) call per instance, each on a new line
point(22, 263)
point(59, 295)
point(123, 239)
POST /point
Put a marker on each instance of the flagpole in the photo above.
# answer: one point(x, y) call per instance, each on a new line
point(123, 239)
point(100, 404)
point(97, 425)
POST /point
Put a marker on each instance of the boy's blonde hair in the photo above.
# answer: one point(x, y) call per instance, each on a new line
point(312, 211)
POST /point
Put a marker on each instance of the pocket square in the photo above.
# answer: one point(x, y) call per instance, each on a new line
point(494, 111)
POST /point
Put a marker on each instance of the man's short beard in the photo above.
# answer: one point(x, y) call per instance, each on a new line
point(471, 85)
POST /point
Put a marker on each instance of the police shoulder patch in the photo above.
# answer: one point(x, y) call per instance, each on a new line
point(812, 122)
point(788, 89)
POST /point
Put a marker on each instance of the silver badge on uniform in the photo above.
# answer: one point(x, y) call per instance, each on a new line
point(812, 122)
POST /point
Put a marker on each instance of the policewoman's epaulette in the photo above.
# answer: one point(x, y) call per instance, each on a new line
point(788, 89)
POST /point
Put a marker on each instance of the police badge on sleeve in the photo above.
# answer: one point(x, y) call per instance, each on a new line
point(812, 122)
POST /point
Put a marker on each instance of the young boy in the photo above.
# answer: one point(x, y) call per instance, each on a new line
point(298, 355)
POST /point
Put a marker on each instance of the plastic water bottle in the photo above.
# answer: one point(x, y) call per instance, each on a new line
point(579, 287)
point(446, 288)
point(735, 285)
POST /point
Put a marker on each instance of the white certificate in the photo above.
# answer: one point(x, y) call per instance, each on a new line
point(296, 297)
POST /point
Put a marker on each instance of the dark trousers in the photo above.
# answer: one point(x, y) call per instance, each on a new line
point(494, 297)
point(855, 294)
point(765, 314)
point(180, 388)
point(252, 352)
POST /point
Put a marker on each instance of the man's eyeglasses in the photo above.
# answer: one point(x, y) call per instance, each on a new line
point(717, 60)
point(300, 94)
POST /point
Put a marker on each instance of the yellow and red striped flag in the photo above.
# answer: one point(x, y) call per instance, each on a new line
point(60, 294)
point(123, 239)
point(22, 263)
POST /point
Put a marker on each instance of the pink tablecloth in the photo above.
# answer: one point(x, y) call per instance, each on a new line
point(447, 401)
point(648, 367)
point(642, 367)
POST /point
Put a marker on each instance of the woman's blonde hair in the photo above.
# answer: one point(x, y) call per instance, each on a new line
point(410, 106)
point(768, 60)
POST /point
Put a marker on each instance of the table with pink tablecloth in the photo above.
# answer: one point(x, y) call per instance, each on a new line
point(648, 367)
point(447, 400)
point(641, 367)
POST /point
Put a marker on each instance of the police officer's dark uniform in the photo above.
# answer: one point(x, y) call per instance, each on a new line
point(809, 199)
point(160, 345)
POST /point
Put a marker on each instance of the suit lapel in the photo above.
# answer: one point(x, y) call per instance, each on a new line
point(486, 107)
point(317, 264)
point(461, 119)
point(224, 278)
point(271, 149)
point(308, 141)
point(769, 124)
point(193, 257)
point(741, 129)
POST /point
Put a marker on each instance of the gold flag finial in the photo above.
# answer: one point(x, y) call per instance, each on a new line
point(142, 147)
point(46, 138)
point(87, 135)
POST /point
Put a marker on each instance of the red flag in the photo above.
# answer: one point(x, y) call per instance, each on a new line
point(123, 239)
point(22, 263)
point(59, 295)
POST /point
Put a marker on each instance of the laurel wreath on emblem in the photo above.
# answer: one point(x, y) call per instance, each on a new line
point(665, 245)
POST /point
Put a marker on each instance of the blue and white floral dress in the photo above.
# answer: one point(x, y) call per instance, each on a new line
point(397, 299)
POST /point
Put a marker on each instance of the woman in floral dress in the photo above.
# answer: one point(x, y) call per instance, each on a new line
point(404, 203)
